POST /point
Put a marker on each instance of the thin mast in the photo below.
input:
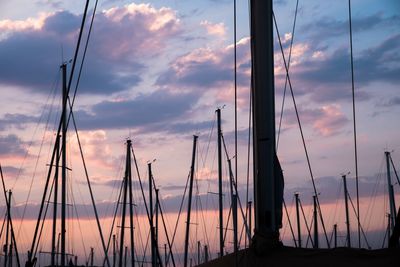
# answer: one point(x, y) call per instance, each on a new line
point(391, 193)
point(153, 252)
point(156, 227)
point(53, 240)
point(192, 167)
point(347, 211)
point(298, 219)
point(125, 188)
point(64, 164)
point(335, 235)
point(132, 229)
point(234, 208)
point(315, 222)
point(221, 225)
point(7, 230)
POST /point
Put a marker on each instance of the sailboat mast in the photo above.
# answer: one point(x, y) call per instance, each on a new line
point(347, 211)
point(153, 251)
point(125, 191)
point(298, 219)
point(6, 251)
point(266, 200)
point(391, 193)
point(129, 172)
point(190, 200)
point(54, 233)
point(315, 222)
point(221, 225)
point(64, 164)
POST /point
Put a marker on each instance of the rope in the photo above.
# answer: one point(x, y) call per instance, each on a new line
point(235, 62)
point(301, 133)
point(305, 221)
point(290, 224)
point(286, 78)
point(89, 185)
point(395, 172)
point(355, 212)
point(354, 127)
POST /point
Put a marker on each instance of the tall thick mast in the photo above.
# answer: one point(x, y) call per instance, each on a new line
point(266, 184)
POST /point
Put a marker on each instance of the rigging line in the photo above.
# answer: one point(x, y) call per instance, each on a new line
point(180, 210)
point(77, 47)
point(286, 78)
point(235, 63)
point(305, 221)
point(232, 181)
point(8, 203)
point(35, 249)
point(52, 91)
point(354, 127)
point(309, 237)
point(144, 197)
point(89, 185)
point(301, 133)
point(290, 224)
point(395, 172)
point(40, 150)
point(59, 128)
point(167, 236)
point(84, 52)
point(79, 223)
point(113, 221)
point(355, 212)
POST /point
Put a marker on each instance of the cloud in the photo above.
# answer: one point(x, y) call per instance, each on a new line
point(11, 145)
point(335, 27)
point(326, 121)
point(392, 102)
point(154, 112)
point(217, 29)
point(15, 120)
point(116, 56)
point(328, 78)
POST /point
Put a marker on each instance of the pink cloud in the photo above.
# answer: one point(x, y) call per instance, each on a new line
point(217, 29)
point(326, 121)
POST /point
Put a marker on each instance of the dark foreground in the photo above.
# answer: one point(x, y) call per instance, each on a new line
point(297, 257)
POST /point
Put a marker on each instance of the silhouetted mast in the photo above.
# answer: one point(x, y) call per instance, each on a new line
point(64, 164)
point(298, 219)
point(153, 249)
point(221, 225)
point(234, 208)
point(192, 167)
point(267, 188)
point(391, 193)
point(127, 188)
point(347, 211)
point(55, 200)
point(315, 222)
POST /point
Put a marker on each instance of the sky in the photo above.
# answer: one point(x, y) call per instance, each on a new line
point(156, 71)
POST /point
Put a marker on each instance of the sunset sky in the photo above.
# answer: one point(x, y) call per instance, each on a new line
point(155, 72)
